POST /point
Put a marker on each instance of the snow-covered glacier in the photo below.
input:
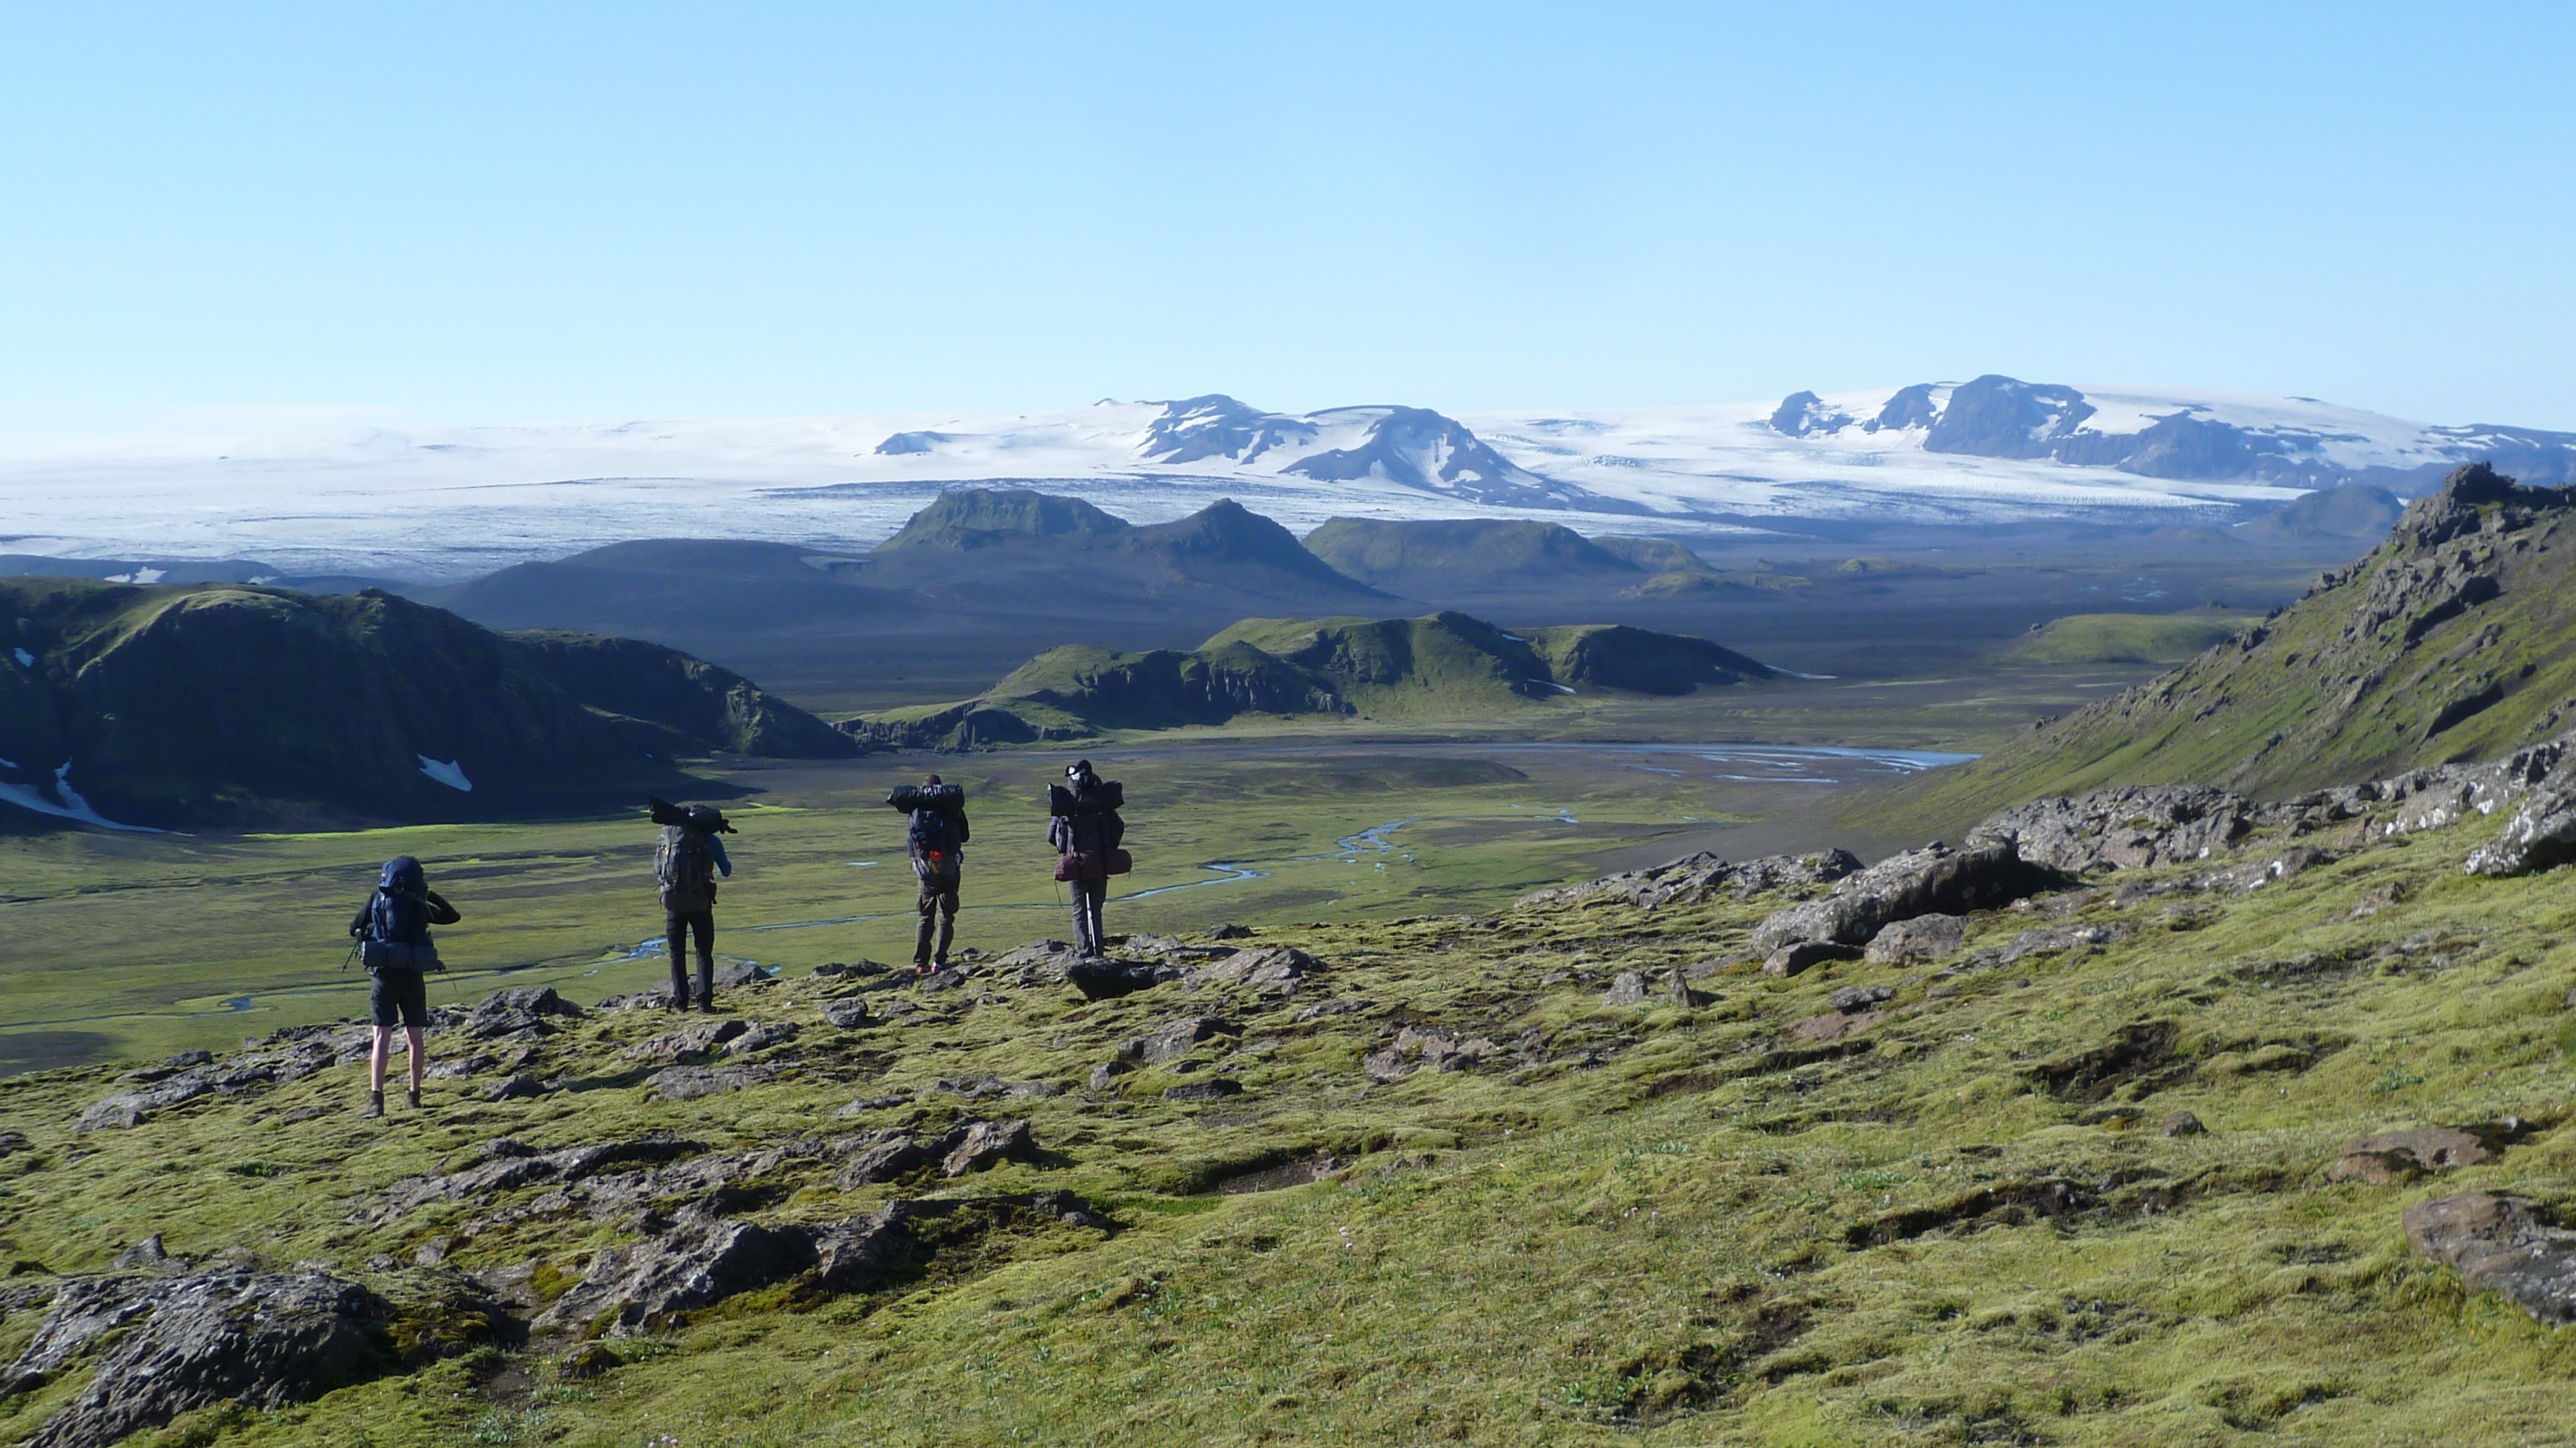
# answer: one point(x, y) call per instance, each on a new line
point(445, 502)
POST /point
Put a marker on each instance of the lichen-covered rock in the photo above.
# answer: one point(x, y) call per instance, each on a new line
point(2133, 828)
point(1800, 956)
point(638, 1288)
point(975, 1145)
point(1418, 1048)
point(847, 1015)
point(264, 1339)
point(695, 1039)
point(1176, 1039)
point(2542, 833)
point(1627, 988)
point(687, 1083)
point(1271, 970)
point(2498, 1244)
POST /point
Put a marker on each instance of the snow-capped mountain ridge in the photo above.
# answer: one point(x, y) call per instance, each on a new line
point(446, 501)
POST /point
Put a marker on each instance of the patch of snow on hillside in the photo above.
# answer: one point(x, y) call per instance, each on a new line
point(73, 807)
point(26, 660)
point(446, 772)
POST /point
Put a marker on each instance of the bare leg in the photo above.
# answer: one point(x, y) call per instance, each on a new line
point(376, 1057)
point(419, 1060)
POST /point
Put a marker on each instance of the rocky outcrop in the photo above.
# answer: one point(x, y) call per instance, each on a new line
point(2499, 1244)
point(2123, 829)
point(2541, 834)
point(1175, 1040)
point(636, 1289)
point(184, 1342)
point(647, 1285)
point(1935, 879)
point(690, 1040)
point(1694, 879)
point(504, 1165)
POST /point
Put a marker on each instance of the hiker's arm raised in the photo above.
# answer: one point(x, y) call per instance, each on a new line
point(440, 912)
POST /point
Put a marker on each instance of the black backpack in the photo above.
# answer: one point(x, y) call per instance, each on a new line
point(397, 920)
point(685, 868)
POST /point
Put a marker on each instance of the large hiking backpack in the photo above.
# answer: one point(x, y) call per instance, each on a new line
point(397, 930)
point(948, 800)
point(685, 868)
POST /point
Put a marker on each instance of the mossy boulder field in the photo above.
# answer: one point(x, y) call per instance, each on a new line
point(2207, 1084)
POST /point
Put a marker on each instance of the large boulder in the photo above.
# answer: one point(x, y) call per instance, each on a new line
point(2498, 1244)
point(1918, 941)
point(264, 1339)
point(1271, 970)
point(1935, 879)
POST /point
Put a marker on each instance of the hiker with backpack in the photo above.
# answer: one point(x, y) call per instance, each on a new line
point(391, 933)
point(936, 837)
point(686, 862)
point(1085, 829)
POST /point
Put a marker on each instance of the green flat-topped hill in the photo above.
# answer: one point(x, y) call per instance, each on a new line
point(1444, 666)
point(2128, 638)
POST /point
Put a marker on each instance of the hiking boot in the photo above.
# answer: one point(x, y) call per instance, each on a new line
point(375, 1105)
point(923, 967)
point(412, 1098)
point(708, 1005)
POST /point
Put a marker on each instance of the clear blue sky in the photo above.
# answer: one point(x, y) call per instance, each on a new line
point(461, 212)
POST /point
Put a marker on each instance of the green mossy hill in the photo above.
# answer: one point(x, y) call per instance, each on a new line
point(1444, 666)
point(230, 706)
point(698, 706)
point(977, 517)
point(2128, 638)
point(2453, 640)
point(1557, 1175)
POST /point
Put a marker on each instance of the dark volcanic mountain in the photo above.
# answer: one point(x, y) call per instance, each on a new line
point(949, 604)
point(232, 706)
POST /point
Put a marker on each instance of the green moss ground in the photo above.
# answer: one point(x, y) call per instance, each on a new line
point(138, 945)
point(1650, 1225)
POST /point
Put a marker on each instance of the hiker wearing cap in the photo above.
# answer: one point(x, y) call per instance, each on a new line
point(1085, 829)
point(392, 935)
point(936, 838)
point(686, 863)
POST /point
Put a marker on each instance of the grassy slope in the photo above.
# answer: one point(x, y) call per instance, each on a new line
point(2129, 638)
point(1670, 1246)
point(2310, 700)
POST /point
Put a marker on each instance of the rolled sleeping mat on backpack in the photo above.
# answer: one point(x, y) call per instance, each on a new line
point(1104, 797)
point(708, 818)
point(666, 813)
point(909, 797)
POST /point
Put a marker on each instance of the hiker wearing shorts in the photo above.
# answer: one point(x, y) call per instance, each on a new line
point(392, 931)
